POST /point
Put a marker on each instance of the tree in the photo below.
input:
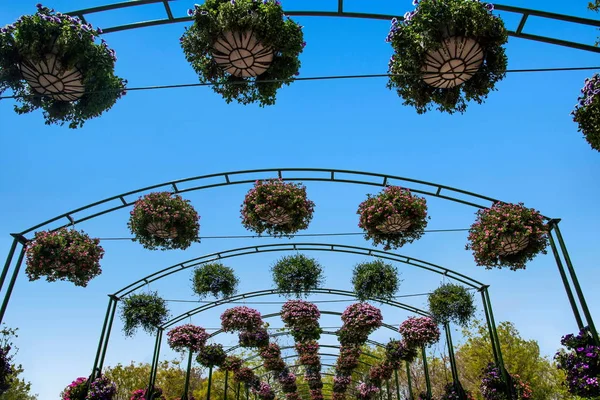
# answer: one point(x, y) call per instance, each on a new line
point(19, 389)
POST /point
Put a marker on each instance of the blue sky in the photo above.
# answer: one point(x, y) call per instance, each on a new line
point(521, 145)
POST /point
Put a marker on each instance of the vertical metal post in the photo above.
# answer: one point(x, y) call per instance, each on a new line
point(108, 330)
point(209, 383)
point(500, 364)
point(101, 341)
point(387, 389)
point(225, 390)
point(566, 284)
point(247, 393)
point(578, 290)
point(397, 384)
point(426, 371)
point(451, 354)
point(489, 325)
point(187, 377)
point(11, 284)
point(237, 392)
point(9, 258)
point(410, 391)
point(154, 365)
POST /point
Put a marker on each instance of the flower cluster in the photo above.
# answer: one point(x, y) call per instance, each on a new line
point(347, 359)
point(308, 353)
point(232, 363)
point(376, 279)
point(452, 392)
point(314, 379)
point(341, 383)
point(507, 235)
point(264, 391)
point(164, 220)
point(265, 20)
point(258, 338)
point(581, 364)
point(241, 318)
point(297, 274)
point(102, 388)
point(587, 111)
point(6, 369)
point(292, 396)
point(187, 337)
point(32, 39)
point(362, 317)
point(316, 394)
point(271, 356)
point(397, 351)
point(77, 390)
point(451, 302)
point(302, 318)
point(424, 30)
point(211, 356)
point(393, 218)
point(380, 372)
point(244, 375)
point(145, 310)
point(140, 394)
point(419, 331)
point(493, 387)
point(216, 279)
point(365, 391)
point(65, 254)
point(276, 207)
point(338, 396)
point(287, 380)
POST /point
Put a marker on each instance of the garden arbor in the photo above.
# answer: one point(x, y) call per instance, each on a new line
point(12, 266)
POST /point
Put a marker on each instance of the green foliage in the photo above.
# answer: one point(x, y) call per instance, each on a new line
point(19, 388)
point(451, 303)
point(266, 20)
point(376, 279)
point(147, 311)
point(45, 32)
point(211, 355)
point(216, 279)
point(297, 274)
point(424, 30)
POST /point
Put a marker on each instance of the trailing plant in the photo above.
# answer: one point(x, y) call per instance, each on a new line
point(587, 111)
point(314, 379)
point(424, 30)
point(187, 338)
point(347, 359)
point(254, 339)
point(241, 318)
point(350, 337)
point(37, 38)
point(140, 394)
point(211, 355)
point(338, 396)
point(376, 279)
point(362, 317)
point(216, 279)
point(143, 310)
point(451, 303)
point(244, 375)
point(65, 255)
point(297, 274)
point(77, 390)
point(393, 217)
point(493, 387)
point(507, 235)
point(264, 391)
point(380, 372)
point(397, 351)
point(292, 396)
point(451, 392)
point(232, 363)
point(276, 207)
point(341, 383)
point(581, 363)
point(300, 313)
point(419, 331)
point(287, 380)
point(366, 391)
point(265, 19)
point(102, 388)
point(316, 394)
point(271, 356)
point(6, 370)
point(165, 221)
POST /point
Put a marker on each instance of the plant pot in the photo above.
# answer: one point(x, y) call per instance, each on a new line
point(47, 77)
point(276, 217)
point(241, 54)
point(454, 63)
point(395, 224)
point(159, 229)
point(512, 244)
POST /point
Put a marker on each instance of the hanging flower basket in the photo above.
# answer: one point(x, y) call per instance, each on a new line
point(66, 255)
point(147, 311)
point(244, 375)
point(347, 359)
point(271, 357)
point(451, 303)
point(300, 314)
point(51, 61)
point(77, 390)
point(376, 279)
point(215, 279)
point(341, 383)
point(287, 380)
point(254, 339)
point(292, 396)
point(102, 388)
point(452, 392)
point(507, 235)
point(587, 111)
point(581, 351)
point(232, 363)
point(237, 45)
point(211, 356)
point(297, 275)
point(187, 337)
point(277, 208)
point(397, 351)
point(140, 394)
point(362, 317)
point(241, 318)
point(454, 46)
point(351, 337)
point(419, 331)
point(165, 221)
point(493, 387)
point(366, 391)
point(264, 391)
point(380, 373)
point(316, 394)
point(393, 218)
point(314, 380)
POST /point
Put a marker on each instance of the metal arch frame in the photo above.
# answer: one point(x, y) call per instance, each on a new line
point(569, 277)
point(524, 14)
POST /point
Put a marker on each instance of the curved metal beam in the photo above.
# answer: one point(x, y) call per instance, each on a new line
point(277, 247)
point(522, 13)
point(329, 346)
